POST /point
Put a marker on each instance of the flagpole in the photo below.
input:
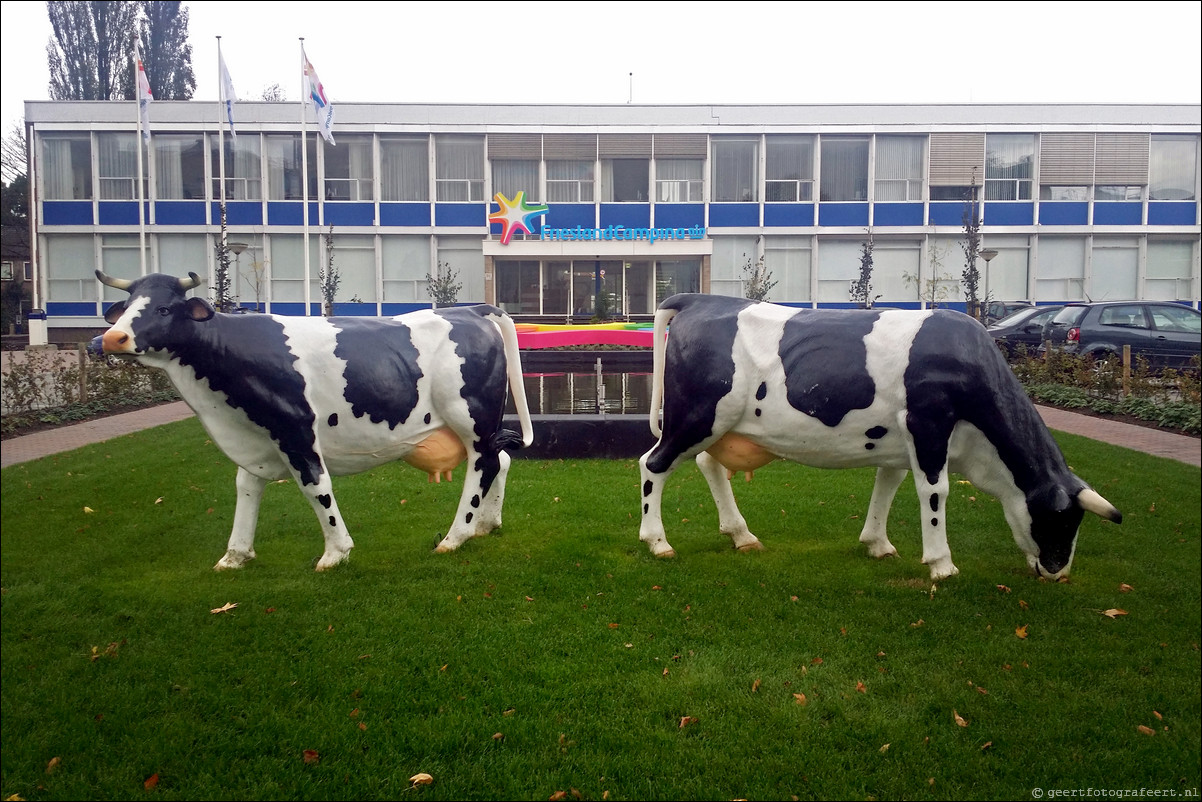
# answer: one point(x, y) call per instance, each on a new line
point(305, 172)
point(221, 141)
point(143, 137)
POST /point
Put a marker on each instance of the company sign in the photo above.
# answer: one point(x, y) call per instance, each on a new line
point(516, 214)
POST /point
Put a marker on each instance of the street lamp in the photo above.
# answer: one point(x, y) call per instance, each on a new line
point(987, 255)
point(236, 248)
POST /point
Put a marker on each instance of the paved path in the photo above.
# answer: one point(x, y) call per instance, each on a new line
point(66, 438)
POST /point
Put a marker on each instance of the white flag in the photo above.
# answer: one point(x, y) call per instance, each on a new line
point(322, 108)
point(144, 98)
point(228, 95)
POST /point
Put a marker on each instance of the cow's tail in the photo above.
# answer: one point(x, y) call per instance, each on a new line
point(659, 358)
point(517, 387)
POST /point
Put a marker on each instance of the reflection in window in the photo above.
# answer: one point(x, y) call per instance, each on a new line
point(68, 167)
point(518, 287)
point(1009, 165)
point(679, 180)
point(734, 165)
point(789, 169)
point(1173, 167)
point(569, 181)
point(459, 168)
point(284, 167)
point(625, 180)
point(844, 169)
point(179, 167)
point(118, 163)
point(404, 168)
point(511, 176)
point(243, 165)
point(348, 169)
point(1118, 192)
point(1061, 193)
point(899, 168)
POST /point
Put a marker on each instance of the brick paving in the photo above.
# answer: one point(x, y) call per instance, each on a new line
point(67, 438)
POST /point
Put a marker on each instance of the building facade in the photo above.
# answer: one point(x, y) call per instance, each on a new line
point(540, 209)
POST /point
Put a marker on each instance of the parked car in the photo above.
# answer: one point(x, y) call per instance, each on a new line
point(1166, 334)
point(997, 310)
point(1022, 328)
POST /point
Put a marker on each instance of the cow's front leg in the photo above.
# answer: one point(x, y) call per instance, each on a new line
point(730, 521)
point(874, 535)
point(337, 540)
point(932, 499)
point(241, 547)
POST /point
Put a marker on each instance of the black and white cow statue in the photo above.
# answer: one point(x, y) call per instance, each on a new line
point(743, 383)
point(311, 398)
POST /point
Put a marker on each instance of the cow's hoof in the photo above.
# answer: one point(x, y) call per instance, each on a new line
point(328, 561)
point(233, 559)
point(664, 555)
point(754, 545)
point(943, 569)
point(881, 552)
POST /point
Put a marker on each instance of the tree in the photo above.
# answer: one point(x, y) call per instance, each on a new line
point(444, 285)
point(14, 162)
point(222, 284)
point(328, 277)
point(91, 52)
point(757, 282)
point(274, 93)
point(970, 277)
point(934, 290)
point(861, 289)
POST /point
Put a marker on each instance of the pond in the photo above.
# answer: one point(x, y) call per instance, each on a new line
point(593, 393)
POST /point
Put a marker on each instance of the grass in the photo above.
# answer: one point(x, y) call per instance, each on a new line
point(558, 656)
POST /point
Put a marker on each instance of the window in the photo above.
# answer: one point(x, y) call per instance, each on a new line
point(569, 182)
point(179, 167)
point(68, 173)
point(6, 271)
point(243, 166)
point(511, 176)
point(404, 168)
point(118, 157)
point(899, 168)
point(735, 170)
point(1169, 268)
point(1118, 192)
point(1009, 161)
point(844, 169)
point(284, 168)
point(789, 169)
point(1059, 193)
point(459, 168)
point(518, 287)
point(625, 180)
point(348, 169)
point(1173, 167)
point(679, 180)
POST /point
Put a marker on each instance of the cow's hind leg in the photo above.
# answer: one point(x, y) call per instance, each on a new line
point(476, 514)
point(873, 535)
point(493, 502)
point(241, 547)
point(654, 469)
point(730, 521)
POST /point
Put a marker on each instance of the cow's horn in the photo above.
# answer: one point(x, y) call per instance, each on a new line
point(193, 280)
point(116, 283)
point(1091, 501)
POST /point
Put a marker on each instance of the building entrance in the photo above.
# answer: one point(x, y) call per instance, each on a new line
point(582, 288)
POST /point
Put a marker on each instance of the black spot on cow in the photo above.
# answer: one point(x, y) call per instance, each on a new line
point(476, 501)
point(427, 418)
point(325, 500)
point(825, 361)
point(876, 432)
point(468, 518)
point(381, 369)
point(647, 488)
point(645, 508)
point(761, 391)
point(758, 412)
point(332, 421)
point(934, 502)
point(869, 446)
point(934, 522)
point(332, 521)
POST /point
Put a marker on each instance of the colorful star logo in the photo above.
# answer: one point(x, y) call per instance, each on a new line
point(515, 215)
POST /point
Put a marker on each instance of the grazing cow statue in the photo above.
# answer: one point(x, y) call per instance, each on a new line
point(743, 383)
point(312, 397)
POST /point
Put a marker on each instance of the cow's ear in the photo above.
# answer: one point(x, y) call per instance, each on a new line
point(199, 309)
point(115, 312)
point(1061, 500)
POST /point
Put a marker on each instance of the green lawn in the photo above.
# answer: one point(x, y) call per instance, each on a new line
point(558, 657)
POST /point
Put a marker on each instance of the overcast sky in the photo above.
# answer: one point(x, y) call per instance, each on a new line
point(674, 52)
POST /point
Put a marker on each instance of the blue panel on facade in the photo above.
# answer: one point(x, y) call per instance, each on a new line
point(734, 214)
point(350, 309)
point(350, 214)
point(67, 213)
point(240, 213)
point(460, 214)
point(120, 213)
point(1063, 213)
point(391, 310)
point(897, 214)
point(679, 215)
point(627, 215)
point(1172, 213)
point(843, 214)
point(1009, 214)
point(570, 215)
point(788, 214)
point(181, 213)
point(1118, 214)
point(290, 213)
point(950, 213)
point(71, 309)
point(404, 214)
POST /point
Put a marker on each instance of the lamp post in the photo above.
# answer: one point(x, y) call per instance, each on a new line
point(987, 255)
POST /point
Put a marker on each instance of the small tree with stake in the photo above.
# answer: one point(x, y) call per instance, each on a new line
point(328, 277)
point(757, 281)
point(861, 289)
point(970, 277)
point(444, 285)
point(222, 287)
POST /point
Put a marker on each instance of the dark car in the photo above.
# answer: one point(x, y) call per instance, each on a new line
point(999, 310)
point(1022, 328)
point(1166, 334)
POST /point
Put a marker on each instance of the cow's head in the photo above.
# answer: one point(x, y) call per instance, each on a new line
point(150, 319)
point(1056, 515)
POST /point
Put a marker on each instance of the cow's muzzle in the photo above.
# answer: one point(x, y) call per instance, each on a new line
point(118, 342)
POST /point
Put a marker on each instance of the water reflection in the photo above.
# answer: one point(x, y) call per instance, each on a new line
point(587, 393)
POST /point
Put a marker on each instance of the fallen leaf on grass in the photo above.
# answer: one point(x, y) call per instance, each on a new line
point(800, 698)
point(1113, 612)
point(755, 686)
point(861, 687)
point(151, 782)
point(959, 719)
point(311, 756)
point(884, 749)
point(1158, 716)
point(496, 736)
point(1146, 730)
point(817, 661)
point(421, 778)
point(225, 608)
point(686, 721)
point(1125, 588)
point(1021, 632)
point(1003, 588)
point(88, 510)
point(986, 745)
point(53, 764)
point(918, 623)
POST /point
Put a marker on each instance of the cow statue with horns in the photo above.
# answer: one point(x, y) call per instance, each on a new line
point(312, 397)
point(743, 383)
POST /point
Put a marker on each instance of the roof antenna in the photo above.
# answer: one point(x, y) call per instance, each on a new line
point(631, 98)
